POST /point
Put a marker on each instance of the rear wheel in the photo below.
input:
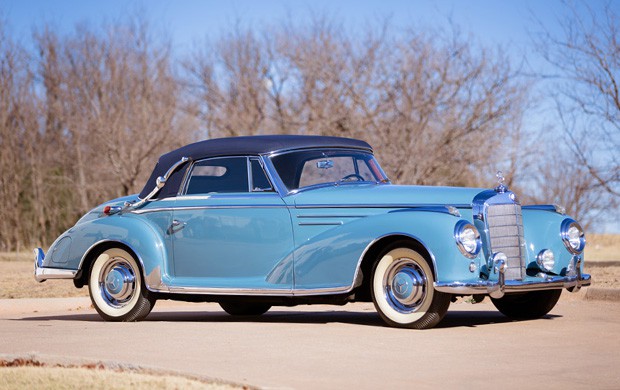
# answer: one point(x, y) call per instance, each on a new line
point(402, 289)
point(527, 306)
point(245, 309)
point(116, 288)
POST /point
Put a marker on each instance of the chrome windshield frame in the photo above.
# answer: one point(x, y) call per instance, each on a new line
point(283, 190)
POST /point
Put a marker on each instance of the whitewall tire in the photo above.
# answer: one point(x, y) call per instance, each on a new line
point(116, 288)
point(402, 289)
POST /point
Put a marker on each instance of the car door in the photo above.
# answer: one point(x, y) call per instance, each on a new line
point(231, 231)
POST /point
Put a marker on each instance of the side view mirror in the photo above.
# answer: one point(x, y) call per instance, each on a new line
point(160, 182)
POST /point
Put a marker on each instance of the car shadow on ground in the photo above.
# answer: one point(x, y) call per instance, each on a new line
point(453, 319)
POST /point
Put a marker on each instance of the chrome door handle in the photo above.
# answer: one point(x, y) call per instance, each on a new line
point(176, 226)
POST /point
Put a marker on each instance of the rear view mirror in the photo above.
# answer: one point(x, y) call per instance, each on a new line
point(325, 164)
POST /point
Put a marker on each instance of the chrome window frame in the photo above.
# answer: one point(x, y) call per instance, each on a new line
point(251, 175)
point(248, 162)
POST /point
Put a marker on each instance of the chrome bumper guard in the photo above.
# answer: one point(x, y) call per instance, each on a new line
point(41, 274)
point(573, 281)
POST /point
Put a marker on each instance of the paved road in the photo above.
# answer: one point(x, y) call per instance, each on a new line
point(310, 347)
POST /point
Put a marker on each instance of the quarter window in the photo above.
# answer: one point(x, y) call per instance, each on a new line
point(260, 183)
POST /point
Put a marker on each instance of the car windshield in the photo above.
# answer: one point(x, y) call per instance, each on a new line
point(306, 168)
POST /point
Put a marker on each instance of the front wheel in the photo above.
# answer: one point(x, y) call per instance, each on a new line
point(527, 306)
point(402, 290)
point(116, 288)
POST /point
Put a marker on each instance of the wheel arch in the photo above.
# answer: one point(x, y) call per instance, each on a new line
point(373, 250)
point(98, 248)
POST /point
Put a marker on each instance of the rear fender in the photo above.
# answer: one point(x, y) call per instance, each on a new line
point(146, 240)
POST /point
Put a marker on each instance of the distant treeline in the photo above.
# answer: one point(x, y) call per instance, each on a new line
point(84, 116)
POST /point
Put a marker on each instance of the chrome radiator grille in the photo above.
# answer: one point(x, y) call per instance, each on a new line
point(505, 226)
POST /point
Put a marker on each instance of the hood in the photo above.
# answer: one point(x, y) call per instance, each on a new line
point(388, 195)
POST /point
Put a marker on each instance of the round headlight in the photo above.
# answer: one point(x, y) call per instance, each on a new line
point(573, 236)
point(467, 239)
point(546, 260)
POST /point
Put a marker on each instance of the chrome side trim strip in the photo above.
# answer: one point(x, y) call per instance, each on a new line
point(425, 207)
point(419, 207)
point(184, 208)
point(546, 207)
point(336, 223)
point(331, 216)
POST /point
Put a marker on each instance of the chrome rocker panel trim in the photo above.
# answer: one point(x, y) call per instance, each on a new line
point(254, 291)
point(41, 274)
point(497, 289)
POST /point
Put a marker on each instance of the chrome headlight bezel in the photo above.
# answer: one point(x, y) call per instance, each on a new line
point(467, 239)
point(575, 243)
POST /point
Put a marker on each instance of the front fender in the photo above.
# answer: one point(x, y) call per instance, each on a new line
point(542, 231)
point(333, 258)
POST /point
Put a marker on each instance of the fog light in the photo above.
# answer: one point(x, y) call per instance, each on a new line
point(545, 260)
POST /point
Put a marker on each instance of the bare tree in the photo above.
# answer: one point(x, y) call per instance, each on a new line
point(451, 108)
point(120, 104)
point(229, 80)
point(437, 109)
point(586, 57)
point(15, 80)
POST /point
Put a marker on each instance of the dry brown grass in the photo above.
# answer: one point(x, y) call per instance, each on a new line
point(84, 378)
point(602, 247)
point(17, 280)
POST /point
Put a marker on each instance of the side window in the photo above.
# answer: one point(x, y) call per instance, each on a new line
point(219, 175)
point(260, 182)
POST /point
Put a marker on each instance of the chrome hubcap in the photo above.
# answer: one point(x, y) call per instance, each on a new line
point(117, 282)
point(405, 285)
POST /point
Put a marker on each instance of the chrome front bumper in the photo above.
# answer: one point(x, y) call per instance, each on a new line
point(573, 281)
point(41, 274)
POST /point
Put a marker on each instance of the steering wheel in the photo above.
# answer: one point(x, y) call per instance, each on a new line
point(351, 176)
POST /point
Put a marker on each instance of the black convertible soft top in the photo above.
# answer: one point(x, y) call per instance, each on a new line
point(240, 146)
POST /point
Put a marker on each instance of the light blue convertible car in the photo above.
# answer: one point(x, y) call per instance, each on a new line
point(253, 222)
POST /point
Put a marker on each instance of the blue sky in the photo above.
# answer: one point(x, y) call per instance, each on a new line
point(492, 22)
point(506, 23)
